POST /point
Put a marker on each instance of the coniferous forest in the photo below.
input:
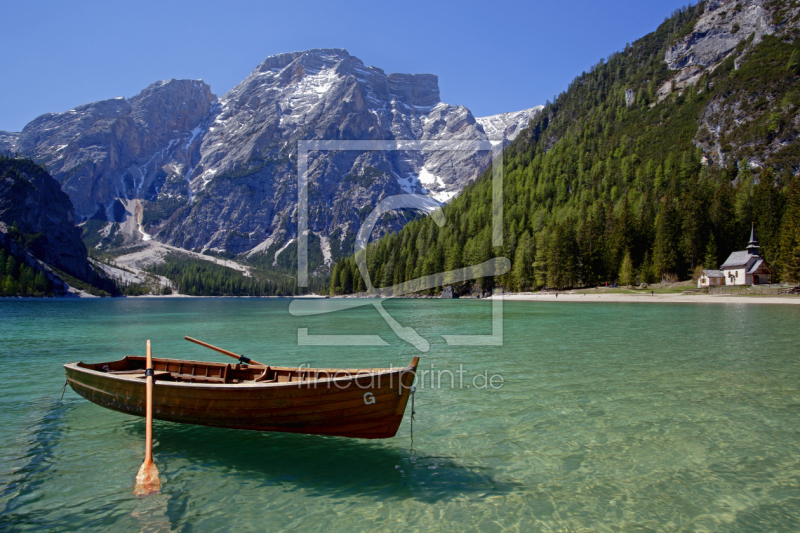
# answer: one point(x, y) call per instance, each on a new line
point(196, 277)
point(611, 184)
point(19, 279)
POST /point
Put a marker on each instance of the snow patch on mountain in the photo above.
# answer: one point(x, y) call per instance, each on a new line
point(506, 126)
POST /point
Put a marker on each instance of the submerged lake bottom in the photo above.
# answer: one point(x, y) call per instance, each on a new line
point(588, 417)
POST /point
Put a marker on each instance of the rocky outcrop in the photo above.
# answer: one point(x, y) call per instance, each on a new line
point(718, 31)
point(723, 28)
point(8, 142)
point(448, 293)
point(730, 32)
point(38, 215)
point(630, 97)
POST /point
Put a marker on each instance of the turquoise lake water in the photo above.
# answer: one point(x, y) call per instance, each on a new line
point(611, 417)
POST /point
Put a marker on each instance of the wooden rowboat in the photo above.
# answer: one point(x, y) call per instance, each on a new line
point(363, 403)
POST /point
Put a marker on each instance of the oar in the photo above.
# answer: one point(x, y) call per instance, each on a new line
point(147, 481)
point(241, 358)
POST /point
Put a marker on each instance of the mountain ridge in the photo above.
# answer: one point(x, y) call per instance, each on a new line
point(218, 173)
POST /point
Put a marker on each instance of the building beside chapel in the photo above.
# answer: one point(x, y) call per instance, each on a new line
point(747, 267)
point(711, 278)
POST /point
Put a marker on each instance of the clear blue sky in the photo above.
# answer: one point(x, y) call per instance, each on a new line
point(489, 56)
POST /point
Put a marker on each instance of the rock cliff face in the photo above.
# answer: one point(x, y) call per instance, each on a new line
point(717, 33)
point(8, 142)
point(725, 26)
point(732, 30)
point(117, 148)
point(221, 174)
point(32, 202)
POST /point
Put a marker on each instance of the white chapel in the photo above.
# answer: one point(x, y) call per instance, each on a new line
point(746, 267)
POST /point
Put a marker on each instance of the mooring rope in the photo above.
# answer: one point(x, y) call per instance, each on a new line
point(413, 412)
point(63, 390)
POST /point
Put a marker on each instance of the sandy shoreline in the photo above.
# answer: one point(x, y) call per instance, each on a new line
point(646, 298)
point(573, 297)
point(563, 297)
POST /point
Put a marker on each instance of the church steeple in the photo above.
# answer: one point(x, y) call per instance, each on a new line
point(752, 246)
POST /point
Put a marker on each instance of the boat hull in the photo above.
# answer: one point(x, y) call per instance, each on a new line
point(359, 404)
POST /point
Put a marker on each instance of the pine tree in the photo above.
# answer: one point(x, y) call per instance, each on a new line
point(11, 266)
point(694, 213)
point(710, 260)
point(646, 270)
point(523, 263)
point(359, 285)
point(626, 270)
point(26, 278)
point(387, 276)
point(562, 257)
point(346, 278)
point(667, 234)
point(336, 284)
point(768, 208)
point(10, 286)
point(540, 262)
point(622, 235)
point(723, 219)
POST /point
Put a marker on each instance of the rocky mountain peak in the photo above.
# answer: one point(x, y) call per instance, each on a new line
point(419, 90)
point(508, 125)
point(116, 148)
point(221, 174)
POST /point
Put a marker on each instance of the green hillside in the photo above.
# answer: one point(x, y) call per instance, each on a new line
point(603, 189)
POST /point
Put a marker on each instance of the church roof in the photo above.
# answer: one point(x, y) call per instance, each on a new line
point(755, 266)
point(740, 258)
point(714, 273)
point(749, 258)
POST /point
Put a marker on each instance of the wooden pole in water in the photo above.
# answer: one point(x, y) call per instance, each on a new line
point(147, 481)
